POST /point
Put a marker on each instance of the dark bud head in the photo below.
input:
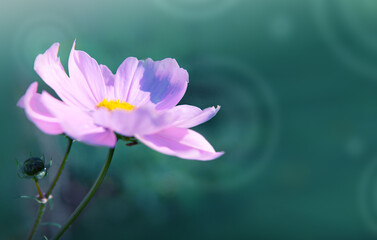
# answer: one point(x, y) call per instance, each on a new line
point(34, 167)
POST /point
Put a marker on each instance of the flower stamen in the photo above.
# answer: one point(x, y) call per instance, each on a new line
point(115, 104)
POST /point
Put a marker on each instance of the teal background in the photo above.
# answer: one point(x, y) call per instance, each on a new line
point(297, 82)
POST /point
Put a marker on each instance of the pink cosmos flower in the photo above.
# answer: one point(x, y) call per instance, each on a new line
point(139, 101)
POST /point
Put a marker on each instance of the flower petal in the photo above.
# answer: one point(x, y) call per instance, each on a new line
point(78, 124)
point(180, 142)
point(191, 116)
point(37, 112)
point(162, 83)
point(50, 69)
point(108, 77)
point(127, 78)
point(165, 81)
point(87, 74)
point(144, 120)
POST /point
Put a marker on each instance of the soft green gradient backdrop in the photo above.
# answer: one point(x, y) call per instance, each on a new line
point(297, 82)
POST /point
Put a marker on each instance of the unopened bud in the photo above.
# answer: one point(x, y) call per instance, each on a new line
point(34, 167)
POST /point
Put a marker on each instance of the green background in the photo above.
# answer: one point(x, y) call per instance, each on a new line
point(297, 82)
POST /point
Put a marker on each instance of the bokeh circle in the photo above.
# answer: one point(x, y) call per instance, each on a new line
point(350, 29)
point(246, 127)
point(34, 35)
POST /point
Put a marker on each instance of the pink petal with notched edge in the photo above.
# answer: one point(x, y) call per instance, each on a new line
point(159, 83)
point(50, 69)
point(164, 80)
point(108, 77)
point(127, 78)
point(191, 116)
point(180, 142)
point(85, 71)
point(78, 124)
point(144, 120)
point(37, 112)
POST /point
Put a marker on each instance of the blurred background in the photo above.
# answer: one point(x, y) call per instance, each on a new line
point(297, 82)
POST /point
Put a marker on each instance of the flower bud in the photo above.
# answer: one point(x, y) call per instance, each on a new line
point(33, 167)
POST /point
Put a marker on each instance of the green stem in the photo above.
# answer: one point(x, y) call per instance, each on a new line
point(45, 197)
point(60, 168)
point(38, 188)
point(88, 196)
point(41, 210)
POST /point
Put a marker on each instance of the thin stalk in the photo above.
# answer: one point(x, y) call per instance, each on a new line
point(88, 196)
point(45, 197)
point(60, 168)
point(41, 210)
point(38, 188)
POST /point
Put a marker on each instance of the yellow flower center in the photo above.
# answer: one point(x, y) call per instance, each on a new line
point(115, 104)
